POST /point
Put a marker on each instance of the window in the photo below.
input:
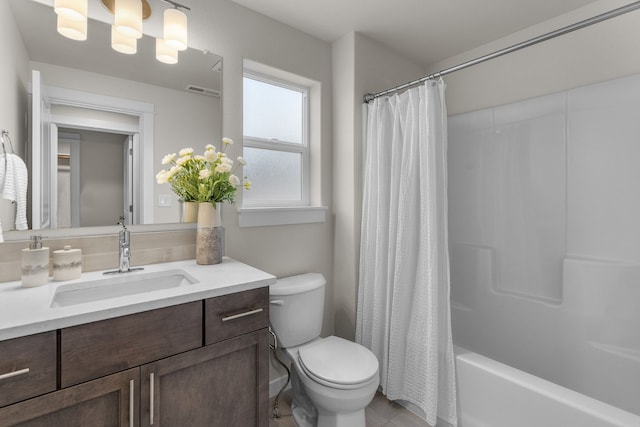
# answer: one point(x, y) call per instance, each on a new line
point(276, 142)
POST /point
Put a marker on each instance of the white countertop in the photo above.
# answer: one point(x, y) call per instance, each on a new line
point(26, 311)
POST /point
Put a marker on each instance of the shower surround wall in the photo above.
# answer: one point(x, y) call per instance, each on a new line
point(544, 225)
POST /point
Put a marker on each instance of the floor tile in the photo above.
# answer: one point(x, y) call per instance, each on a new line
point(380, 413)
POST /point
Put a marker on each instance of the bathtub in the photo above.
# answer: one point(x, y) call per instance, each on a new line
point(492, 394)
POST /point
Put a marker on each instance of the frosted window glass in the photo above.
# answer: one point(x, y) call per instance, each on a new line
point(272, 112)
point(274, 175)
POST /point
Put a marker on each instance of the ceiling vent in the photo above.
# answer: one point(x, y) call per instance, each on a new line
point(203, 91)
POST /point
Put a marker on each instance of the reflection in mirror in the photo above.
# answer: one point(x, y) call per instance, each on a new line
point(105, 120)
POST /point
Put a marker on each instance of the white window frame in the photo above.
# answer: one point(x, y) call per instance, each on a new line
point(284, 146)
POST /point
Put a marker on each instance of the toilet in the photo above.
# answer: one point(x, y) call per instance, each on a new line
point(333, 379)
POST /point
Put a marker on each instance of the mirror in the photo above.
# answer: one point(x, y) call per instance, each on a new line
point(106, 119)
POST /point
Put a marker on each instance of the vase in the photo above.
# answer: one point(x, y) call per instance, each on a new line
point(209, 234)
point(189, 211)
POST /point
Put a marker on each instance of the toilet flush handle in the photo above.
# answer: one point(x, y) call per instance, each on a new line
point(276, 302)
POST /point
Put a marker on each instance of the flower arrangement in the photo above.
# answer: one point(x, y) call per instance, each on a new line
point(203, 178)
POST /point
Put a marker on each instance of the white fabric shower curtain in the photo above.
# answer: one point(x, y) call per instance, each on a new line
point(403, 312)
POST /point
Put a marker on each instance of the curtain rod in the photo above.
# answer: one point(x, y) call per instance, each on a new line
point(548, 36)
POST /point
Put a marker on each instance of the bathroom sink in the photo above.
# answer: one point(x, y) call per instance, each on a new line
point(118, 286)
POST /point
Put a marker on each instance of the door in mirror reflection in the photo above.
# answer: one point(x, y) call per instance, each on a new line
point(93, 178)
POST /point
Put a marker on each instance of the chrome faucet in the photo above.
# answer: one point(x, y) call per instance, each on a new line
point(124, 252)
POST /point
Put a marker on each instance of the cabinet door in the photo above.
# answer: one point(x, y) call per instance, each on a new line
point(111, 401)
point(220, 385)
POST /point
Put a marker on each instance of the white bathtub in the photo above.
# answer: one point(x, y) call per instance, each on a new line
point(491, 394)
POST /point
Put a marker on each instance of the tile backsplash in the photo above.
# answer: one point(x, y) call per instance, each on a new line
point(101, 252)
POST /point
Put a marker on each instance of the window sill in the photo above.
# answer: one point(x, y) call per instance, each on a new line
point(256, 217)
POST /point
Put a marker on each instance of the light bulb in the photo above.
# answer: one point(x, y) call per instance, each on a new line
point(128, 18)
point(175, 28)
point(75, 10)
point(71, 28)
point(122, 44)
point(166, 53)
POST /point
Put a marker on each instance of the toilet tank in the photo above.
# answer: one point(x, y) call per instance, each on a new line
point(296, 308)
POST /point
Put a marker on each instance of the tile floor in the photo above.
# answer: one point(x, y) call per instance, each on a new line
point(380, 413)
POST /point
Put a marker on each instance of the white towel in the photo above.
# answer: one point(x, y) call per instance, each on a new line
point(13, 187)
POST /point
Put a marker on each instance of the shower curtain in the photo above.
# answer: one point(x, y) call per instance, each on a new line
point(403, 312)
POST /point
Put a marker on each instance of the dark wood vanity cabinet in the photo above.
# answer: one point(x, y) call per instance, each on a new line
point(109, 401)
point(165, 367)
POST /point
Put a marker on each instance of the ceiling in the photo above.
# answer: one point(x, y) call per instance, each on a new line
point(425, 31)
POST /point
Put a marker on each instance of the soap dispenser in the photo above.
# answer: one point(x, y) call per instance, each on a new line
point(35, 263)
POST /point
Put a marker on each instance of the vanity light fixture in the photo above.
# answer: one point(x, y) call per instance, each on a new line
point(127, 27)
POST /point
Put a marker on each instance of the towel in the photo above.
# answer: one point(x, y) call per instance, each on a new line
point(13, 187)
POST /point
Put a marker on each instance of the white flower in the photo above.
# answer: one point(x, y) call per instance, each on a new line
point(210, 156)
point(242, 161)
point(199, 157)
point(182, 160)
point(161, 177)
point(227, 141)
point(227, 160)
point(234, 180)
point(223, 168)
point(168, 158)
point(186, 151)
point(210, 147)
point(205, 173)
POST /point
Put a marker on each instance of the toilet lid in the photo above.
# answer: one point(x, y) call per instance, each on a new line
point(338, 361)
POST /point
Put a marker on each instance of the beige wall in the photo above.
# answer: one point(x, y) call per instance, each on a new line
point(360, 66)
point(237, 33)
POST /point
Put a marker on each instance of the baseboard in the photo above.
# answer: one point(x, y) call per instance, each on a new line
point(276, 384)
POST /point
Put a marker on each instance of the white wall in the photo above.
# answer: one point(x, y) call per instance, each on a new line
point(13, 101)
point(603, 51)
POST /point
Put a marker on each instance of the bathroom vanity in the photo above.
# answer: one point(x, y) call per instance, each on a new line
point(190, 355)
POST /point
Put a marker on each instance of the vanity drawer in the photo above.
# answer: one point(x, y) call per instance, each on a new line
point(96, 349)
point(27, 367)
point(235, 314)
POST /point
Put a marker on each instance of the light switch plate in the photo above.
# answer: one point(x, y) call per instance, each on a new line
point(164, 200)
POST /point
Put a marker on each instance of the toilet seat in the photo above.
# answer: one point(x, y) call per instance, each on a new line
point(338, 363)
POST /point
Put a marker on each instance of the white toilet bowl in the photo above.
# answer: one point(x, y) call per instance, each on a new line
point(339, 376)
